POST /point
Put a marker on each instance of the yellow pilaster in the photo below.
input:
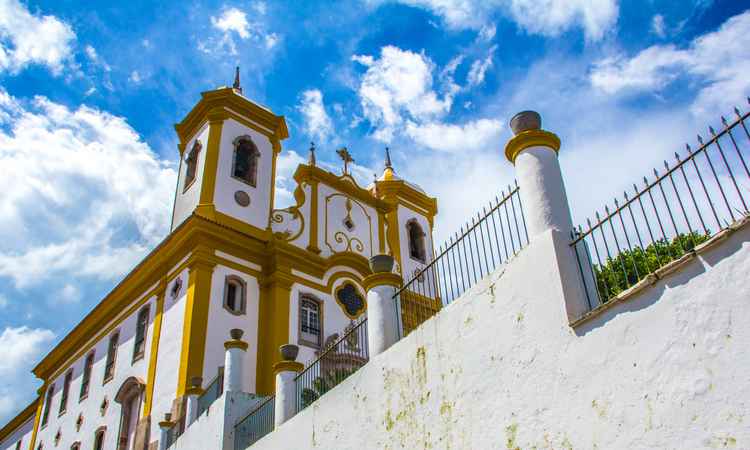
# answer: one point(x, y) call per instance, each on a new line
point(153, 355)
point(206, 206)
point(394, 241)
point(42, 391)
point(273, 327)
point(381, 232)
point(313, 246)
point(195, 322)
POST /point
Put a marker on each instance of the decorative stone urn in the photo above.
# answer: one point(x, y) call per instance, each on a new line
point(381, 263)
point(236, 333)
point(525, 121)
point(289, 352)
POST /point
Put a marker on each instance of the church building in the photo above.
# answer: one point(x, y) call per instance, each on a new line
point(230, 261)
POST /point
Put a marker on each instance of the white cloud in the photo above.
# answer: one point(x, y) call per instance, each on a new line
point(719, 59)
point(286, 164)
point(482, 134)
point(233, 20)
point(317, 122)
point(397, 86)
point(546, 17)
point(26, 39)
point(83, 195)
point(479, 69)
point(68, 294)
point(21, 346)
point(135, 77)
point(658, 27)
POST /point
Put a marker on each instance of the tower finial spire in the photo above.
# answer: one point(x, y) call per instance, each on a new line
point(236, 84)
point(311, 159)
point(388, 158)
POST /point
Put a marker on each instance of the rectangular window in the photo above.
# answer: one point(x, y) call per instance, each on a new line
point(109, 367)
point(310, 323)
point(18, 445)
point(48, 404)
point(65, 391)
point(86, 377)
point(140, 335)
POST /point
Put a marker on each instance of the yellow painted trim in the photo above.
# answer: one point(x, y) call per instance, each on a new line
point(351, 241)
point(343, 309)
point(275, 144)
point(381, 232)
point(154, 353)
point(313, 232)
point(344, 184)
point(236, 344)
point(18, 420)
point(166, 424)
point(392, 234)
point(37, 417)
point(273, 326)
point(288, 366)
point(194, 390)
point(530, 138)
point(241, 226)
point(195, 322)
point(382, 279)
point(211, 160)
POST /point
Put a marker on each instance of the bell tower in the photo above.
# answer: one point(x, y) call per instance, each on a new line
point(228, 149)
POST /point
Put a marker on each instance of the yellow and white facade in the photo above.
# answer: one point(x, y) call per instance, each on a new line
point(226, 241)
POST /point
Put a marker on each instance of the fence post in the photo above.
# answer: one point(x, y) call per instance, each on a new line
point(164, 427)
point(286, 389)
point(234, 360)
point(192, 393)
point(534, 151)
point(382, 313)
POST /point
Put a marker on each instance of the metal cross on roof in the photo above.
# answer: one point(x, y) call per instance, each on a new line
point(346, 157)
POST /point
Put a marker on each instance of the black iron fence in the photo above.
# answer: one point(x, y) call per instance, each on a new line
point(497, 233)
point(258, 423)
point(702, 192)
point(341, 358)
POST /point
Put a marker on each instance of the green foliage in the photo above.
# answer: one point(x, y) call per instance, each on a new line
point(630, 266)
point(324, 383)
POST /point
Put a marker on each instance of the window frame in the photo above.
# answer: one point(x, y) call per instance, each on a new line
point(88, 368)
point(231, 279)
point(47, 405)
point(255, 154)
point(76, 445)
point(196, 148)
point(410, 224)
point(300, 339)
point(100, 432)
point(141, 327)
point(65, 393)
point(111, 360)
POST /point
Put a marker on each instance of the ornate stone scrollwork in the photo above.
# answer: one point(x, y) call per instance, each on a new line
point(288, 224)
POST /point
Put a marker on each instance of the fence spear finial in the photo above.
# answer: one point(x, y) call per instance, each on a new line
point(625, 193)
point(711, 129)
point(724, 121)
point(700, 139)
point(737, 111)
point(677, 156)
point(645, 181)
point(656, 173)
point(687, 147)
point(666, 165)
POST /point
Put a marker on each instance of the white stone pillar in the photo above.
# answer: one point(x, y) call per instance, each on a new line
point(382, 311)
point(286, 371)
point(191, 403)
point(534, 151)
point(234, 361)
point(164, 427)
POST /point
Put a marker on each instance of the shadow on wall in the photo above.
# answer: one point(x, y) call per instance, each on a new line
point(699, 263)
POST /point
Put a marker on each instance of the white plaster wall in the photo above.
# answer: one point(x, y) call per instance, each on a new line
point(334, 318)
point(185, 202)
point(410, 265)
point(170, 348)
point(220, 321)
point(332, 207)
point(89, 407)
point(257, 212)
point(501, 369)
point(303, 240)
point(22, 434)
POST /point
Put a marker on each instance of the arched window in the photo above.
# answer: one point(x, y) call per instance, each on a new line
point(416, 241)
point(234, 295)
point(48, 404)
point(109, 366)
point(65, 391)
point(75, 446)
point(86, 377)
point(99, 438)
point(140, 334)
point(191, 164)
point(129, 397)
point(310, 321)
point(245, 161)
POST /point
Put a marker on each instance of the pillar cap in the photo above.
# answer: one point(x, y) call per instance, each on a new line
point(289, 352)
point(166, 424)
point(382, 263)
point(288, 366)
point(382, 279)
point(194, 390)
point(235, 343)
point(531, 138)
point(524, 121)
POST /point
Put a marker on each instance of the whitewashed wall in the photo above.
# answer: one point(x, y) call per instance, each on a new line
point(220, 321)
point(332, 211)
point(185, 202)
point(257, 212)
point(89, 407)
point(501, 369)
point(22, 434)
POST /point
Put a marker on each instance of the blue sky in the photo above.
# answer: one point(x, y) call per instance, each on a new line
point(89, 95)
